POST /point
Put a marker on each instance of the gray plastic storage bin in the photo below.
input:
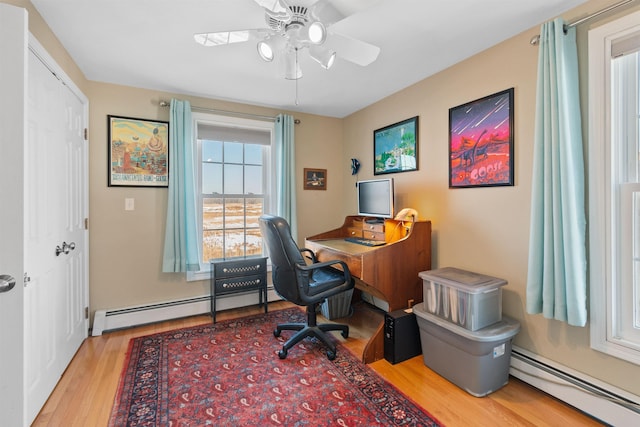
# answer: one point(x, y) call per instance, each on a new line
point(477, 362)
point(468, 299)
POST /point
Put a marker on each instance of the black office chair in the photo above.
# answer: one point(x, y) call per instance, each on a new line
point(302, 284)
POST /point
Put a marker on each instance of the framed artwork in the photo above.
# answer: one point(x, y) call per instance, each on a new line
point(138, 152)
point(315, 179)
point(481, 142)
point(395, 147)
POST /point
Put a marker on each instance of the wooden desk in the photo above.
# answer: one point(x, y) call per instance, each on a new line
point(389, 272)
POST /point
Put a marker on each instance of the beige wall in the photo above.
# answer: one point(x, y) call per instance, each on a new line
point(126, 246)
point(483, 229)
point(41, 31)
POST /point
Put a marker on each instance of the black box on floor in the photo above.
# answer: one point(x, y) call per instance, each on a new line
point(401, 336)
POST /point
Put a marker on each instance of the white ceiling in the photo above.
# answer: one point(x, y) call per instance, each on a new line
point(149, 44)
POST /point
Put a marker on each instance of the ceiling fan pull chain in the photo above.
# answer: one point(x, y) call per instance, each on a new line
point(297, 76)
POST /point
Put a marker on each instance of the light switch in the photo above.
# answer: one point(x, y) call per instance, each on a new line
point(128, 205)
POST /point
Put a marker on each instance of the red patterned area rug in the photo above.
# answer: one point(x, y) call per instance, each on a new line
point(229, 374)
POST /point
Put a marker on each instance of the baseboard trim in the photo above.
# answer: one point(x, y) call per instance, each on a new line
point(600, 400)
point(113, 319)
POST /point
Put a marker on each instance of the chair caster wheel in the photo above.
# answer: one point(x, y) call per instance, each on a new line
point(276, 333)
point(331, 355)
point(282, 354)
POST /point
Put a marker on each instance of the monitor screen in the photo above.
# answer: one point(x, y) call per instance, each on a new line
point(375, 198)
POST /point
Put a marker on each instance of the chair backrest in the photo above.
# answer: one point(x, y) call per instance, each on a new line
point(284, 253)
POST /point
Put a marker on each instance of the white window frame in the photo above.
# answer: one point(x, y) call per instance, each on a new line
point(604, 257)
point(268, 171)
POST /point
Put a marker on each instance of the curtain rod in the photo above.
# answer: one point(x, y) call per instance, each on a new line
point(536, 39)
point(229, 113)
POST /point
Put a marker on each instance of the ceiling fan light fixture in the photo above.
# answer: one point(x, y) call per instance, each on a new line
point(317, 33)
point(330, 61)
point(265, 50)
point(324, 57)
point(292, 70)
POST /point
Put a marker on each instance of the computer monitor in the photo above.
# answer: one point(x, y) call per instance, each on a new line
point(376, 198)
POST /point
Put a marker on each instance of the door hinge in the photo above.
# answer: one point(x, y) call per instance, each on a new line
point(86, 134)
point(86, 223)
point(86, 312)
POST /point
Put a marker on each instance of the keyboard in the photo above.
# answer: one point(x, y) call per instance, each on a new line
point(365, 242)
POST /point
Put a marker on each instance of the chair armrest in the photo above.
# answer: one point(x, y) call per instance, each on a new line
point(312, 255)
point(311, 267)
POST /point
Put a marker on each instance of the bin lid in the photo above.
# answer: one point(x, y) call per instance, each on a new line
point(468, 281)
point(499, 331)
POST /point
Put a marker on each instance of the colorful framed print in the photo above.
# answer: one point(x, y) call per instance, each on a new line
point(481, 142)
point(315, 179)
point(138, 152)
point(395, 147)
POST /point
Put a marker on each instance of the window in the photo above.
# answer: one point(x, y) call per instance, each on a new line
point(614, 187)
point(235, 186)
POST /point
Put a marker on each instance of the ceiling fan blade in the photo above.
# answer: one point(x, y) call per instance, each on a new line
point(228, 37)
point(278, 9)
point(326, 13)
point(330, 13)
point(353, 50)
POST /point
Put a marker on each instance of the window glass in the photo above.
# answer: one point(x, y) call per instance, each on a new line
point(614, 187)
point(212, 178)
point(233, 179)
point(234, 185)
point(625, 205)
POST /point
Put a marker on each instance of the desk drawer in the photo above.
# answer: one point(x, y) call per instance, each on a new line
point(239, 284)
point(374, 227)
point(354, 232)
point(242, 268)
point(373, 235)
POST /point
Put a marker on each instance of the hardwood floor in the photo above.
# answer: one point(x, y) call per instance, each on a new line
point(84, 396)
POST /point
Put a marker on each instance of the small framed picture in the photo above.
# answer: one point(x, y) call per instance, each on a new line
point(138, 152)
point(315, 179)
point(481, 142)
point(395, 147)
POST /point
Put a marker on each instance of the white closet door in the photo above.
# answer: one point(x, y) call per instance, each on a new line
point(55, 257)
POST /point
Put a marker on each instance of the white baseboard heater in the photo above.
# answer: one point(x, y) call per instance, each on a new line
point(106, 320)
point(602, 401)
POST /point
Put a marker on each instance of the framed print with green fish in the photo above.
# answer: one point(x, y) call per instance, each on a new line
point(395, 147)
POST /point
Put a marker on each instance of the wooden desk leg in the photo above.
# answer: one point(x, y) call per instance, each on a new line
point(374, 350)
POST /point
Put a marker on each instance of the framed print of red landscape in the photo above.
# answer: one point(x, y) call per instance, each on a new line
point(481, 142)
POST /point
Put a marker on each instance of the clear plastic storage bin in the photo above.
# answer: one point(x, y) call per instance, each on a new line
point(470, 300)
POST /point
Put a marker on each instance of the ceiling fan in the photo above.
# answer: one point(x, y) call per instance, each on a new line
point(295, 26)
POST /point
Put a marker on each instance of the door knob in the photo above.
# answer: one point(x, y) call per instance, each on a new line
point(6, 283)
point(66, 247)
